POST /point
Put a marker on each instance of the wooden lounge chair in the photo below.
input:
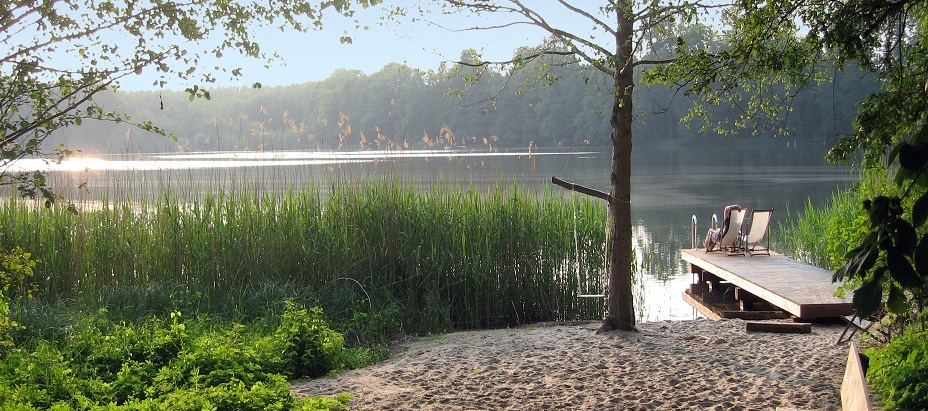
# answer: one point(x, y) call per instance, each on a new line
point(871, 326)
point(731, 239)
point(753, 240)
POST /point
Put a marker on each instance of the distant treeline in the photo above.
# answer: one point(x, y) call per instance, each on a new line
point(403, 108)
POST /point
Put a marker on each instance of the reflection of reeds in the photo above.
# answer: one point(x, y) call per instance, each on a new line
point(448, 258)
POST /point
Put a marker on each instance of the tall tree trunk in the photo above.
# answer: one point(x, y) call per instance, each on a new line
point(620, 303)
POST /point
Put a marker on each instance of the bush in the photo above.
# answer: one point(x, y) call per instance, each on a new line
point(6, 323)
point(310, 347)
point(899, 372)
point(174, 364)
point(16, 268)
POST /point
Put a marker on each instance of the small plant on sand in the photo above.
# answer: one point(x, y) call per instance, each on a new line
point(310, 347)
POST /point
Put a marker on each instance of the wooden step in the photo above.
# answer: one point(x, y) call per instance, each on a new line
point(777, 327)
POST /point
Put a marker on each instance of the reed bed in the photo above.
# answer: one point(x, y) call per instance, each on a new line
point(822, 235)
point(802, 238)
point(424, 258)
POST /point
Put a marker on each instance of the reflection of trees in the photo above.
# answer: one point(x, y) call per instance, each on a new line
point(657, 254)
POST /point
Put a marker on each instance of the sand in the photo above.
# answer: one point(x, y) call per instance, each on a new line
point(684, 365)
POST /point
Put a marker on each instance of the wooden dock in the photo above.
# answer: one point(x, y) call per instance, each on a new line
point(800, 289)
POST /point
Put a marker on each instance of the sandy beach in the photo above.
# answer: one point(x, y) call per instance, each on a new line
point(685, 365)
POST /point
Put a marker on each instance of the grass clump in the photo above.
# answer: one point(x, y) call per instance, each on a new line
point(172, 363)
point(821, 234)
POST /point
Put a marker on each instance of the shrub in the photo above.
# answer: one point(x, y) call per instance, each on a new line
point(173, 364)
point(310, 347)
point(899, 372)
point(6, 323)
point(16, 268)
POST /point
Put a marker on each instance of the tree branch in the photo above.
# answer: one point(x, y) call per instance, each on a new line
point(582, 189)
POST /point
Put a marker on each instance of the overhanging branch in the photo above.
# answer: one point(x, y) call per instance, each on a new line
point(582, 189)
point(519, 59)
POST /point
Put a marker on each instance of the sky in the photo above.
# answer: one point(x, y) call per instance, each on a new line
point(315, 55)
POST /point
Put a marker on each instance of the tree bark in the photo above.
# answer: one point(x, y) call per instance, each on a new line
point(620, 304)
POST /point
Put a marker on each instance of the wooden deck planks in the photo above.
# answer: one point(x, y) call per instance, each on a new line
point(800, 289)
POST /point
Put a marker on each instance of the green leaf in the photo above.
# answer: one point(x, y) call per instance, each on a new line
point(901, 270)
point(894, 152)
point(867, 297)
point(866, 260)
point(921, 256)
point(879, 210)
point(854, 251)
point(922, 135)
point(896, 302)
point(905, 237)
point(902, 175)
point(841, 273)
point(921, 179)
point(913, 156)
point(920, 210)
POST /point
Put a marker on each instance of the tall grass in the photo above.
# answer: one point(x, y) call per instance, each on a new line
point(822, 235)
point(435, 257)
point(804, 237)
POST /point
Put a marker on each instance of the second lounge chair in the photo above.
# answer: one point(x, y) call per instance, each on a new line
point(752, 241)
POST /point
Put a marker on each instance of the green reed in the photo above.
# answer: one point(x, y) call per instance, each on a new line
point(439, 257)
point(820, 235)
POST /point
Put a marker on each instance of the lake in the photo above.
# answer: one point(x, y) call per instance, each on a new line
point(668, 188)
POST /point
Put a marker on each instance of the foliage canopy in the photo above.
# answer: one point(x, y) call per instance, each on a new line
point(55, 56)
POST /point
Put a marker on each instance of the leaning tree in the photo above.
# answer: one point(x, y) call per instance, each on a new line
point(614, 37)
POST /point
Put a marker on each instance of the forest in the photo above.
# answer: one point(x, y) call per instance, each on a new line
point(399, 107)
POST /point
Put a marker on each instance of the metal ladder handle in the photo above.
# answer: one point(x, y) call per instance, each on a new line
point(695, 236)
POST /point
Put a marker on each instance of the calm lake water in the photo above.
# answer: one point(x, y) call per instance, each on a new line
point(668, 188)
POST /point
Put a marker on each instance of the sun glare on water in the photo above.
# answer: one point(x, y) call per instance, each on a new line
point(247, 159)
point(80, 164)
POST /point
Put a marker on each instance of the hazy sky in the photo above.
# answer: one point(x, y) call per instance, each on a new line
point(315, 55)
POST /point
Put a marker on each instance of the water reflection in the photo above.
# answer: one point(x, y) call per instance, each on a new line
point(225, 159)
point(668, 188)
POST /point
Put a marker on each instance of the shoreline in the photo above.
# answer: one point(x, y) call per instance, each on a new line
point(685, 365)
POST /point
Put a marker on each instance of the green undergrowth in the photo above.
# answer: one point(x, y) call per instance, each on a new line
point(176, 363)
point(898, 372)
